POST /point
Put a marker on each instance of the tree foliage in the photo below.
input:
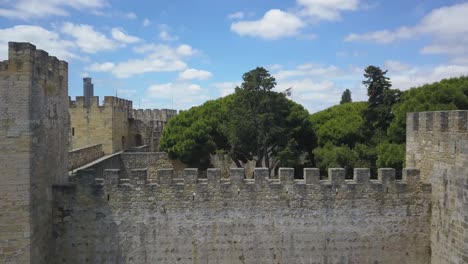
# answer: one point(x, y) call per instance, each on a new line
point(448, 94)
point(381, 99)
point(253, 124)
point(346, 97)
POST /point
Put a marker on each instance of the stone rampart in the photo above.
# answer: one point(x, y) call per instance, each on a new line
point(82, 156)
point(148, 115)
point(135, 218)
point(437, 144)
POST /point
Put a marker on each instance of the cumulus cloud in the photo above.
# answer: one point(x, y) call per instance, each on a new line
point(446, 26)
point(326, 9)
point(192, 74)
point(176, 95)
point(276, 23)
point(26, 9)
point(413, 76)
point(43, 39)
point(158, 58)
point(87, 39)
point(121, 36)
point(226, 88)
point(273, 25)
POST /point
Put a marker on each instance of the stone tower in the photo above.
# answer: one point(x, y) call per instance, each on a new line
point(34, 125)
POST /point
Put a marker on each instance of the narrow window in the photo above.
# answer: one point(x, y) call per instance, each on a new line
point(73, 131)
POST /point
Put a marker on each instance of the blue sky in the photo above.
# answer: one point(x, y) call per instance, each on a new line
point(177, 54)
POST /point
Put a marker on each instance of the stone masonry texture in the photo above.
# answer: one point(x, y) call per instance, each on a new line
point(34, 127)
point(144, 208)
point(437, 144)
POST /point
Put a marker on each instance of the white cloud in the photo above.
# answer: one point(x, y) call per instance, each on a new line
point(164, 33)
point(236, 15)
point(191, 74)
point(43, 39)
point(446, 26)
point(103, 67)
point(326, 9)
point(308, 69)
point(158, 58)
point(120, 35)
point(87, 39)
point(146, 22)
point(226, 88)
point(274, 24)
point(26, 9)
point(382, 36)
point(180, 95)
point(277, 24)
point(414, 76)
point(396, 66)
point(167, 51)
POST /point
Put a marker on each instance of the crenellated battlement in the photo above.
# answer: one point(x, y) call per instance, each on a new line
point(438, 121)
point(147, 115)
point(110, 102)
point(50, 73)
point(311, 187)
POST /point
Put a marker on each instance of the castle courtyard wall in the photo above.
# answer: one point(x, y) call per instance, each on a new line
point(133, 218)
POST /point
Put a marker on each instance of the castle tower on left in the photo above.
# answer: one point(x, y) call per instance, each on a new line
point(34, 131)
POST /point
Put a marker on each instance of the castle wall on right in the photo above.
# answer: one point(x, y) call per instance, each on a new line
point(437, 144)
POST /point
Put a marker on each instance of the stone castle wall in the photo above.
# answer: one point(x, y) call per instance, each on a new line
point(95, 124)
point(115, 124)
point(437, 144)
point(128, 215)
point(34, 127)
point(82, 156)
point(152, 123)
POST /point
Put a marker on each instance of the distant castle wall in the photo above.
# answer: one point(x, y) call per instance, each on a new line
point(34, 127)
point(129, 215)
point(95, 124)
point(115, 124)
point(153, 122)
point(437, 144)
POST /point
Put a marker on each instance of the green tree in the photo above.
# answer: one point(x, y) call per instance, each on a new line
point(448, 94)
point(381, 99)
point(346, 97)
point(254, 123)
point(262, 123)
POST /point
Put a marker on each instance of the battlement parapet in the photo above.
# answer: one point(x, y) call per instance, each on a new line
point(438, 121)
point(311, 187)
point(110, 102)
point(148, 115)
point(24, 58)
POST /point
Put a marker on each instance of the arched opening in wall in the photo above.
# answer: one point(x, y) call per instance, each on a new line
point(123, 143)
point(138, 140)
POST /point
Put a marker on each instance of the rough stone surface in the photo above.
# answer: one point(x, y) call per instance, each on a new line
point(437, 144)
point(34, 127)
point(95, 124)
point(164, 220)
point(82, 156)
